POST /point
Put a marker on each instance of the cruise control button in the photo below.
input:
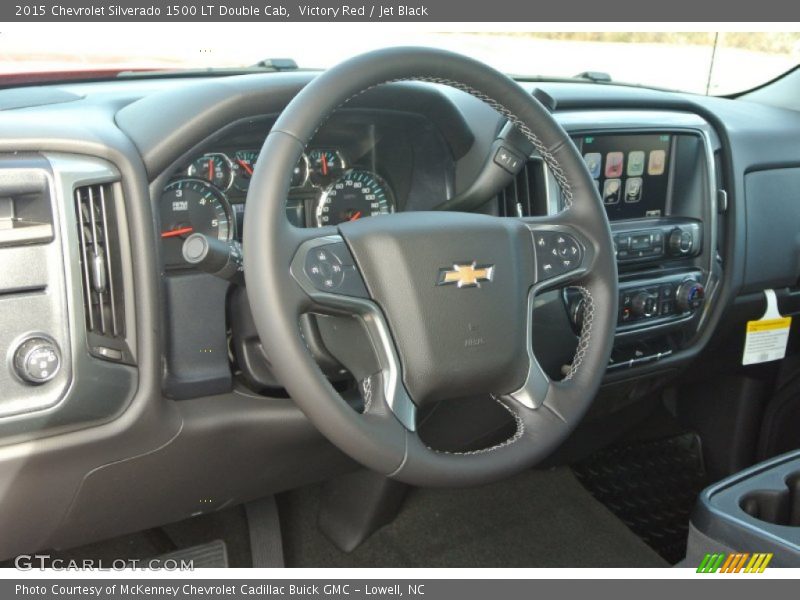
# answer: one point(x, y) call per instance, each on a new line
point(340, 252)
point(331, 269)
point(324, 268)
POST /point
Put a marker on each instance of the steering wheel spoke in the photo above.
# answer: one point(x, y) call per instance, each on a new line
point(537, 384)
point(563, 256)
point(325, 270)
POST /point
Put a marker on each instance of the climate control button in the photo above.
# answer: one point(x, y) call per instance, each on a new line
point(644, 304)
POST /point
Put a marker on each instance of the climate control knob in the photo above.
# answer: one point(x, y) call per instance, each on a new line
point(37, 360)
point(644, 304)
point(690, 295)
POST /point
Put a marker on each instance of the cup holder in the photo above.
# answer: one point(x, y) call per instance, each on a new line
point(780, 507)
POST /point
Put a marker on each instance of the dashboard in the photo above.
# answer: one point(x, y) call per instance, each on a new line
point(161, 377)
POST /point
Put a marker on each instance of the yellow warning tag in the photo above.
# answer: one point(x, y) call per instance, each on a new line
point(766, 338)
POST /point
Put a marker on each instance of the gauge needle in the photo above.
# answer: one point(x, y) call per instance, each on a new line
point(355, 216)
point(211, 169)
point(176, 232)
point(324, 165)
point(245, 166)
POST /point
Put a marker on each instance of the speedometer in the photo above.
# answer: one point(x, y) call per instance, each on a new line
point(355, 195)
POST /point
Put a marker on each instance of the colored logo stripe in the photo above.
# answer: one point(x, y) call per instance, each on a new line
point(734, 563)
point(711, 562)
point(758, 563)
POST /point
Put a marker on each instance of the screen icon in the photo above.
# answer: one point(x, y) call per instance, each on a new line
point(633, 190)
point(657, 162)
point(593, 162)
point(614, 162)
point(635, 163)
point(611, 191)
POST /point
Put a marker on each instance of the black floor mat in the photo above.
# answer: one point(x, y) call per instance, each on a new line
point(536, 519)
point(651, 486)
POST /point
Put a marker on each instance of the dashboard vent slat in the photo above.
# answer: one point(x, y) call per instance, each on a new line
point(99, 258)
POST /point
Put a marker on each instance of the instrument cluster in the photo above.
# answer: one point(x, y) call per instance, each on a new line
point(208, 195)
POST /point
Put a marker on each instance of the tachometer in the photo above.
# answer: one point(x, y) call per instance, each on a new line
point(214, 167)
point(355, 195)
point(189, 206)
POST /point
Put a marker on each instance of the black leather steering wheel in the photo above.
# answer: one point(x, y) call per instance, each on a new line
point(446, 298)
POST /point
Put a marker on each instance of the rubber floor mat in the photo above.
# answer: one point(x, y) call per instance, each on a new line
point(651, 486)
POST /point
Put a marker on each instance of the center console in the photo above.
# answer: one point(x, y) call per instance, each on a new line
point(659, 190)
point(756, 511)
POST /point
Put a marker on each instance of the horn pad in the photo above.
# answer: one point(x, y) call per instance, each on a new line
point(453, 288)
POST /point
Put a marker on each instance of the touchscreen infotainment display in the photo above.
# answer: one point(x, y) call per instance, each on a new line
point(630, 171)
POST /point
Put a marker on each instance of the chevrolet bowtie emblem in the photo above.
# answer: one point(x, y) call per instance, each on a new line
point(466, 275)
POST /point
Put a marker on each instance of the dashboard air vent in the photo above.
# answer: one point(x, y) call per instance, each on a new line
point(100, 260)
point(526, 195)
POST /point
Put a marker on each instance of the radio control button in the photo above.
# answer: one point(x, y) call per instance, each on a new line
point(556, 253)
point(681, 242)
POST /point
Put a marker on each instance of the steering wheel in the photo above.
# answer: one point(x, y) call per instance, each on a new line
point(446, 298)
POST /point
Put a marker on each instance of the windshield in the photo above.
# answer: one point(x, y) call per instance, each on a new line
point(698, 62)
